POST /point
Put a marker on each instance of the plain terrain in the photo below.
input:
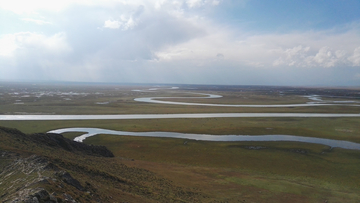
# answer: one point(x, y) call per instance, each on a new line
point(221, 171)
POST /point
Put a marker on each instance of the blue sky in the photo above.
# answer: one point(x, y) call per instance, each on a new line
point(243, 42)
point(296, 15)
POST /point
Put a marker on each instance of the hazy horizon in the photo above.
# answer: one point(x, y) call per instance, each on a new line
point(54, 82)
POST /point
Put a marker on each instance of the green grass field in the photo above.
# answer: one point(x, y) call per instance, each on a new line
point(222, 171)
point(278, 169)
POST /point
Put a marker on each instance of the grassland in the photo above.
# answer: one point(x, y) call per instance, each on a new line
point(219, 171)
point(282, 171)
point(306, 173)
point(80, 99)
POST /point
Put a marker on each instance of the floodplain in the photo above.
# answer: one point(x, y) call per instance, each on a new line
point(220, 171)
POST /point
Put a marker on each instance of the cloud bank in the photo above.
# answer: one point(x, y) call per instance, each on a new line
point(168, 42)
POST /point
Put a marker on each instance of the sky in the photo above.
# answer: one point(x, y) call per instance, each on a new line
point(225, 42)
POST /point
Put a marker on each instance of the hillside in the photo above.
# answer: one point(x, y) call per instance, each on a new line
point(51, 168)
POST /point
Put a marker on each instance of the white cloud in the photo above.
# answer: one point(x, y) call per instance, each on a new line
point(124, 23)
point(194, 3)
point(129, 24)
point(23, 6)
point(293, 56)
point(31, 55)
point(199, 3)
point(308, 49)
point(33, 42)
point(39, 22)
point(299, 56)
point(177, 37)
point(112, 24)
point(168, 33)
point(355, 58)
point(325, 57)
point(7, 45)
point(33, 6)
point(216, 2)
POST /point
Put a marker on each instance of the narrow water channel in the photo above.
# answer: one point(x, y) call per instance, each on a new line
point(205, 137)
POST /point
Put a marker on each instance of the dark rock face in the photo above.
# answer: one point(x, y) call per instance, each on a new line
point(40, 195)
point(58, 141)
point(68, 179)
point(11, 131)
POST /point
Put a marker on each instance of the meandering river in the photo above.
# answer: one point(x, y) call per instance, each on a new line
point(205, 137)
point(316, 101)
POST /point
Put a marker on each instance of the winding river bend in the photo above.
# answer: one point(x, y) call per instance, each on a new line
point(316, 101)
point(205, 137)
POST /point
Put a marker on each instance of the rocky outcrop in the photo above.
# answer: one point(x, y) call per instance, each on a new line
point(68, 179)
point(58, 141)
point(27, 177)
point(22, 177)
point(40, 195)
point(50, 168)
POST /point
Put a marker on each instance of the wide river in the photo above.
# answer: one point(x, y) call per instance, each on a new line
point(167, 116)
